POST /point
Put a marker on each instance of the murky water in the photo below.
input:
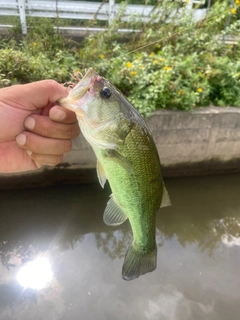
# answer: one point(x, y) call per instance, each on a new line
point(78, 260)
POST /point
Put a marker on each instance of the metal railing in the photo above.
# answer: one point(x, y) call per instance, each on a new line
point(79, 10)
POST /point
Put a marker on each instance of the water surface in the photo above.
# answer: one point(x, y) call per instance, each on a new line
point(198, 255)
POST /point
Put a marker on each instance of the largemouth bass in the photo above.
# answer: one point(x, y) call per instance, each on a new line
point(127, 157)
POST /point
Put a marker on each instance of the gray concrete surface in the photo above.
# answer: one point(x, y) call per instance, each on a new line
point(206, 141)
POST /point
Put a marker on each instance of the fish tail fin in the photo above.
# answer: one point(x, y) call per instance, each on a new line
point(138, 262)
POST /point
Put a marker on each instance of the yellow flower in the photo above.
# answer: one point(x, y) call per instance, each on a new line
point(179, 92)
point(167, 68)
point(133, 73)
point(129, 64)
point(199, 90)
point(237, 2)
point(34, 43)
point(142, 67)
point(162, 59)
point(102, 56)
point(152, 54)
point(155, 61)
point(234, 11)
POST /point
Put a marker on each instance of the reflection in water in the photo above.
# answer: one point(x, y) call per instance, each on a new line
point(230, 241)
point(16, 253)
point(61, 229)
point(36, 274)
point(113, 242)
point(208, 233)
point(198, 260)
point(227, 230)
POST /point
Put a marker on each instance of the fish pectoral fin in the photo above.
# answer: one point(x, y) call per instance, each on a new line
point(138, 262)
point(101, 174)
point(113, 214)
point(120, 160)
point(165, 198)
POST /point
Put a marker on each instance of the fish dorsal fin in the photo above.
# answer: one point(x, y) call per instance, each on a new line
point(165, 198)
point(113, 214)
point(101, 174)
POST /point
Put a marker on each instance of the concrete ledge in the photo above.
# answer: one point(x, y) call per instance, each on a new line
point(206, 141)
point(203, 142)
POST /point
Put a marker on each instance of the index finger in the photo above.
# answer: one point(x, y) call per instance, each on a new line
point(34, 95)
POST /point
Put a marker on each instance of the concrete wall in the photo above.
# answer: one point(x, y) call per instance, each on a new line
point(206, 141)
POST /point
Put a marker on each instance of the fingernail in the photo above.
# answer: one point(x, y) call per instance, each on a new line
point(29, 152)
point(21, 139)
point(30, 123)
point(58, 114)
point(38, 165)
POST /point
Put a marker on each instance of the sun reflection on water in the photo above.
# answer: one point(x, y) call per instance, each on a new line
point(36, 274)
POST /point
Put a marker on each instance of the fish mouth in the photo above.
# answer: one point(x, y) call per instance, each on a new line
point(84, 85)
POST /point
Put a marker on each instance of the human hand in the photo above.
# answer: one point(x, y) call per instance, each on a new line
point(34, 131)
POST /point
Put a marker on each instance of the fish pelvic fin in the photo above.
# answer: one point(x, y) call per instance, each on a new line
point(138, 262)
point(113, 214)
point(101, 174)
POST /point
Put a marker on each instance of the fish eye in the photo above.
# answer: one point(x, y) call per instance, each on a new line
point(106, 93)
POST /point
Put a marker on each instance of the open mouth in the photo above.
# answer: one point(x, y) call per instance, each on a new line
point(84, 85)
point(71, 102)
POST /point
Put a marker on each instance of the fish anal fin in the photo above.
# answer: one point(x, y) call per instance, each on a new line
point(113, 214)
point(101, 174)
point(138, 262)
point(165, 198)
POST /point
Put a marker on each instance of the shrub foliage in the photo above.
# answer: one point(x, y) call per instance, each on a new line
point(169, 62)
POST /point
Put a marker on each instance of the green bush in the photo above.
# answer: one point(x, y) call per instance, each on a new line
point(191, 66)
point(20, 67)
point(172, 63)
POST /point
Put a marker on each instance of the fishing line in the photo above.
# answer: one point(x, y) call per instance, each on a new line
point(200, 25)
point(175, 33)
